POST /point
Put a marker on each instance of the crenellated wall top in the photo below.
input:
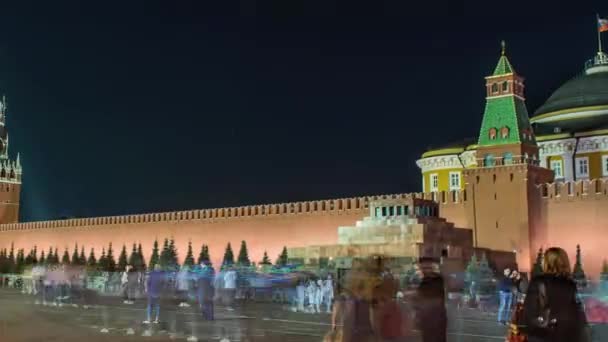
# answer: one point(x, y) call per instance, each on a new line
point(330, 206)
point(581, 189)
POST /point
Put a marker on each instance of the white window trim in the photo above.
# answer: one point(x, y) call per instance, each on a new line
point(433, 188)
point(577, 168)
point(459, 180)
point(604, 166)
point(561, 167)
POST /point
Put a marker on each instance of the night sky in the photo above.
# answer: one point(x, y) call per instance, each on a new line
point(151, 106)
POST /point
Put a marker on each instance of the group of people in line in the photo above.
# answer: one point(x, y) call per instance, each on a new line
point(314, 296)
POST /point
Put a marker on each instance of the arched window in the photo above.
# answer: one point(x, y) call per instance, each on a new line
point(504, 132)
point(492, 133)
point(494, 88)
point(505, 86)
point(507, 158)
point(488, 160)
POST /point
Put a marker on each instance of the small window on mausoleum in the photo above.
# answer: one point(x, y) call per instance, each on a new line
point(504, 132)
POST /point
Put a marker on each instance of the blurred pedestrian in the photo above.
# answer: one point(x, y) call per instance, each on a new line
point(155, 286)
point(230, 288)
point(505, 292)
point(431, 313)
point(551, 310)
point(206, 290)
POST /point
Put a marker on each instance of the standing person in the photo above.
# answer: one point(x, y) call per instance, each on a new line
point(318, 295)
point(124, 280)
point(430, 302)
point(505, 292)
point(230, 288)
point(301, 295)
point(132, 284)
point(328, 289)
point(551, 310)
point(182, 285)
point(205, 290)
point(311, 292)
point(155, 285)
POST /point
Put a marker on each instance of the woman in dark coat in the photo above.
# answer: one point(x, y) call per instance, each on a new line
point(559, 307)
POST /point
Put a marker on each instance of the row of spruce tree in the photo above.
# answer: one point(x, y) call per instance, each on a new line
point(167, 258)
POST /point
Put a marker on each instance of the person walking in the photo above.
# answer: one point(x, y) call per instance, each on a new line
point(182, 286)
point(124, 280)
point(155, 285)
point(132, 284)
point(505, 292)
point(311, 293)
point(301, 295)
point(551, 310)
point(205, 290)
point(430, 308)
point(230, 288)
point(328, 293)
point(318, 295)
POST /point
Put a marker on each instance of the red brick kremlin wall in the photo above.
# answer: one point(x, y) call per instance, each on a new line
point(569, 214)
point(263, 227)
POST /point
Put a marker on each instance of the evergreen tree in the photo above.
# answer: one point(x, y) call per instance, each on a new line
point(173, 262)
point(20, 261)
point(49, 256)
point(110, 259)
point(243, 258)
point(154, 259)
point(604, 273)
point(56, 257)
point(75, 258)
point(65, 259)
point(133, 257)
point(189, 261)
point(82, 259)
point(92, 261)
point(103, 261)
point(164, 255)
point(578, 274)
point(35, 255)
point(283, 258)
point(141, 262)
point(29, 259)
point(537, 268)
point(204, 255)
point(3, 261)
point(265, 259)
point(11, 259)
point(228, 256)
point(122, 259)
point(486, 275)
point(471, 272)
point(42, 258)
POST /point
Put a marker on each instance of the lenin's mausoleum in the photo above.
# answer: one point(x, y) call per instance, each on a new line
point(523, 183)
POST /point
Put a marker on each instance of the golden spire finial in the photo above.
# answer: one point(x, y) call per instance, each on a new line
point(504, 47)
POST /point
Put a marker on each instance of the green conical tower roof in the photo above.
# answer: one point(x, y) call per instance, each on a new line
point(504, 66)
point(505, 119)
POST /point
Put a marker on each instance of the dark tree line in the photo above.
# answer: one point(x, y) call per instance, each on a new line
point(15, 261)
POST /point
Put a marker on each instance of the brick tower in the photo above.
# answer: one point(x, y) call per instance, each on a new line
point(10, 175)
point(503, 185)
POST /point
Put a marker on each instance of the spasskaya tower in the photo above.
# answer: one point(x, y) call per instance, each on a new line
point(10, 175)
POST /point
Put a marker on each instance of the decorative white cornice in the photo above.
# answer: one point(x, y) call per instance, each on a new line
point(468, 158)
point(439, 163)
point(556, 147)
point(592, 144)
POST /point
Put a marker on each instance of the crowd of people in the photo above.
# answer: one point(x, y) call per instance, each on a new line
point(370, 304)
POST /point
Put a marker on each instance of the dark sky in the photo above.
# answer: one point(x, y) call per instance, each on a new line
point(148, 106)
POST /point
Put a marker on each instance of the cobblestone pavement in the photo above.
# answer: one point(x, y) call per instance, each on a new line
point(22, 320)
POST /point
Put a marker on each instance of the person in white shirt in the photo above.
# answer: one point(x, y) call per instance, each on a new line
point(328, 292)
point(301, 295)
point(311, 291)
point(318, 295)
point(229, 288)
point(124, 279)
point(183, 279)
